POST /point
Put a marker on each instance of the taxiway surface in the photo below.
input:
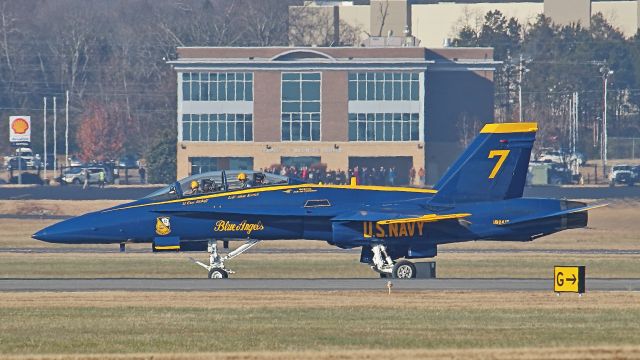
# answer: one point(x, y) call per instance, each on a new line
point(303, 284)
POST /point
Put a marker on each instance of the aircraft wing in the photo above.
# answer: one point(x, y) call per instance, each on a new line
point(557, 213)
point(385, 218)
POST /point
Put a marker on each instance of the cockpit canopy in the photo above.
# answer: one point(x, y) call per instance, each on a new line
point(219, 181)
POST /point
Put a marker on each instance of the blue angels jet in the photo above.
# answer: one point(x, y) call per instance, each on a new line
point(478, 198)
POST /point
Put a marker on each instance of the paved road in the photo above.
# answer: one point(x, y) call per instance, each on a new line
point(72, 192)
point(302, 284)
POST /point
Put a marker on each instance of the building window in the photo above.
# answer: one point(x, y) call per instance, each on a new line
point(384, 127)
point(300, 107)
point(201, 165)
point(217, 127)
point(384, 86)
point(206, 86)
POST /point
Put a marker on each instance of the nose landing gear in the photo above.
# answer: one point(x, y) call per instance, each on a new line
point(216, 267)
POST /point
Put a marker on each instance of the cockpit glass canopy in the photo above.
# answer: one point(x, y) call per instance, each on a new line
point(219, 181)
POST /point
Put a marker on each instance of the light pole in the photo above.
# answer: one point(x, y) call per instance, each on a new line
point(606, 73)
point(522, 69)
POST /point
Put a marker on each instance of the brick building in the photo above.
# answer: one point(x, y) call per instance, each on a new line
point(251, 108)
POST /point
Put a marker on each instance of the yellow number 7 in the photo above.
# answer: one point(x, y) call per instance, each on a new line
point(503, 156)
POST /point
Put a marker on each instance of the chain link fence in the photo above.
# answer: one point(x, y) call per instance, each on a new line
point(623, 148)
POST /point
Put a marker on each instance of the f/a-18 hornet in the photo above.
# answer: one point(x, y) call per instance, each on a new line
point(478, 198)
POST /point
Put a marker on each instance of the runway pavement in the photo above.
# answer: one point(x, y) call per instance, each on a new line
point(303, 284)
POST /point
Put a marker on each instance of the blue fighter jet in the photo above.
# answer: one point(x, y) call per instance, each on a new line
point(478, 198)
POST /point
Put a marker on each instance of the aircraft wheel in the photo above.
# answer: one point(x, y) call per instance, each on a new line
point(217, 273)
point(384, 275)
point(404, 269)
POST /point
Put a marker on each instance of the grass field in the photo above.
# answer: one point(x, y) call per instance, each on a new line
point(322, 324)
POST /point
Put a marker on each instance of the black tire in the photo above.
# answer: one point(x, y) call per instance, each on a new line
point(384, 275)
point(76, 181)
point(217, 273)
point(404, 269)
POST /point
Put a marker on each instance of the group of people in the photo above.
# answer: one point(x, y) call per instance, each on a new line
point(386, 176)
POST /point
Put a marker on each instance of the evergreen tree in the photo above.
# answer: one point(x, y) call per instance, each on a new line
point(161, 159)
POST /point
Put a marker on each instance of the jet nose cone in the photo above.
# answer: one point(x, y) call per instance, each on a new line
point(52, 233)
point(63, 232)
point(40, 235)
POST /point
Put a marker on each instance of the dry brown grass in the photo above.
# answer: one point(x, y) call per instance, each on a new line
point(55, 207)
point(412, 300)
point(559, 353)
point(320, 325)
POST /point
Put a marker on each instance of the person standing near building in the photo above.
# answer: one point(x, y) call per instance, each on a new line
point(392, 176)
point(143, 173)
point(86, 174)
point(101, 179)
point(412, 176)
point(421, 176)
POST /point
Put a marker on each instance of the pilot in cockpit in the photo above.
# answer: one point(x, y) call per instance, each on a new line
point(209, 186)
point(258, 179)
point(244, 182)
point(194, 187)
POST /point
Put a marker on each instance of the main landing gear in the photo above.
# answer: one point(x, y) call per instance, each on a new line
point(386, 267)
point(216, 267)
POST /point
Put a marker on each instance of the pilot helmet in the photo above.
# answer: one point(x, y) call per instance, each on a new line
point(242, 176)
point(194, 184)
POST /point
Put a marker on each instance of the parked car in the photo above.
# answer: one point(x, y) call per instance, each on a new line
point(15, 163)
point(32, 161)
point(546, 173)
point(622, 174)
point(636, 173)
point(76, 175)
point(560, 157)
point(74, 161)
point(128, 162)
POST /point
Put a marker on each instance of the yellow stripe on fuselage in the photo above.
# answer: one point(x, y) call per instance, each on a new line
point(284, 187)
point(505, 128)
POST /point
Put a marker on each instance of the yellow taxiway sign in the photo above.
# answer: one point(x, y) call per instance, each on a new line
point(568, 279)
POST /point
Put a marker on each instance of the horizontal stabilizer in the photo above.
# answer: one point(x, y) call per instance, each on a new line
point(424, 218)
point(554, 214)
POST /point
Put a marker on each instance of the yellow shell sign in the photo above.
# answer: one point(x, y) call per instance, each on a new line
point(20, 126)
point(19, 129)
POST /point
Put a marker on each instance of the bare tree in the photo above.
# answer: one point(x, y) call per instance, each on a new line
point(265, 22)
point(315, 25)
point(382, 9)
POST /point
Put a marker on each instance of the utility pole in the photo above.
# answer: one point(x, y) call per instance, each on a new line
point(522, 69)
point(66, 131)
point(606, 73)
point(55, 137)
point(507, 103)
point(44, 117)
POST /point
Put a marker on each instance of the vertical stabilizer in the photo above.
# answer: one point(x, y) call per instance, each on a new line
point(494, 167)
